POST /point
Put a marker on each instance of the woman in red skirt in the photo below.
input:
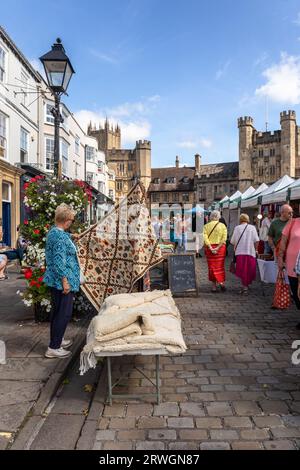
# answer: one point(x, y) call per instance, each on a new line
point(215, 236)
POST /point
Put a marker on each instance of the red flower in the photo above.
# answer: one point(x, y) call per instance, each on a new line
point(36, 231)
point(25, 186)
point(33, 180)
point(40, 279)
point(25, 222)
point(28, 273)
point(47, 226)
point(33, 283)
point(38, 285)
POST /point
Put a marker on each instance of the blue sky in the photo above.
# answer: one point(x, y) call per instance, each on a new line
point(177, 72)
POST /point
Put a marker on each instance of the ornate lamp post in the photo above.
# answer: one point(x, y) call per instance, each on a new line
point(59, 71)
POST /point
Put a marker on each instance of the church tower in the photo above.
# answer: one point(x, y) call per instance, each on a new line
point(107, 137)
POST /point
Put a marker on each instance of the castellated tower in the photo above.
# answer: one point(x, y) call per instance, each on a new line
point(143, 161)
point(246, 133)
point(289, 145)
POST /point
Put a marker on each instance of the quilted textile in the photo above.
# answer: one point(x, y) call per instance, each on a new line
point(117, 251)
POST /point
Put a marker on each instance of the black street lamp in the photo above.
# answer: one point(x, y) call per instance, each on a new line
point(59, 71)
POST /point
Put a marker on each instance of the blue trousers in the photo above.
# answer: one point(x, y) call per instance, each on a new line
point(62, 306)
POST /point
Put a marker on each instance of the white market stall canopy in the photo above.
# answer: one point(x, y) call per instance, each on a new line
point(247, 193)
point(295, 190)
point(225, 198)
point(270, 195)
point(252, 200)
point(236, 195)
point(283, 195)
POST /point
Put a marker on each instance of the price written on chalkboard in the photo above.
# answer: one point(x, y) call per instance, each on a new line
point(182, 275)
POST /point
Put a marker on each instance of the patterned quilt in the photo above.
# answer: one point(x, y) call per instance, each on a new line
point(117, 251)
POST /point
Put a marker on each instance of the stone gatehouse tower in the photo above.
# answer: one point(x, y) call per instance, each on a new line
point(128, 165)
point(266, 156)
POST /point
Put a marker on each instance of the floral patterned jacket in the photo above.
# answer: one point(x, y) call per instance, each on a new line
point(61, 260)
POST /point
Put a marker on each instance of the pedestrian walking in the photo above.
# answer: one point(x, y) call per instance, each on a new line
point(215, 235)
point(277, 226)
point(288, 252)
point(63, 277)
point(263, 232)
point(245, 241)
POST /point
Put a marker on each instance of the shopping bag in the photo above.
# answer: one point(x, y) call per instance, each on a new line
point(282, 297)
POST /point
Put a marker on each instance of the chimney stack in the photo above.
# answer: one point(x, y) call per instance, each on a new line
point(197, 163)
point(177, 161)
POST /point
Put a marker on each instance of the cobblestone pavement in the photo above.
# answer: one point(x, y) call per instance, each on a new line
point(235, 388)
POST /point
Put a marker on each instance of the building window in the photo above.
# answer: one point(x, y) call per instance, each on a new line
point(155, 197)
point(185, 179)
point(23, 145)
point(111, 177)
point(2, 64)
point(156, 181)
point(185, 197)
point(6, 192)
point(130, 167)
point(201, 193)
point(119, 185)
point(233, 188)
point(76, 165)
point(100, 166)
point(121, 168)
point(175, 197)
point(89, 177)
point(171, 180)
point(272, 153)
point(111, 193)
point(49, 153)
point(3, 127)
point(101, 187)
point(260, 171)
point(90, 153)
point(77, 144)
point(165, 197)
point(24, 89)
point(64, 156)
point(261, 153)
point(49, 116)
point(272, 170)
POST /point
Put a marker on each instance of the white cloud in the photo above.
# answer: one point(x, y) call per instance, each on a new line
point(104, 57)
point(191, 144)
point(261, 60)
point(222, 70)
point(297, 20)
point(131, 117)
point(130, 131)
point(136, 108)
point(205, 143)
point(187, 144)
point(283, 81)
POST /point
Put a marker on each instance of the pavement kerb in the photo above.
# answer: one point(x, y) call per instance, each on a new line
point(47, 393)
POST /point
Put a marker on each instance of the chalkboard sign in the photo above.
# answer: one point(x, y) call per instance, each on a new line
point(182, 274)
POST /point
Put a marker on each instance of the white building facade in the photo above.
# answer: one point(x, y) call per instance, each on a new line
point(19, 130)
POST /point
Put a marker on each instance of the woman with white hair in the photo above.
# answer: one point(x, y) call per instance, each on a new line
point(215, 235)
point(63, 277)
point(245, 241)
